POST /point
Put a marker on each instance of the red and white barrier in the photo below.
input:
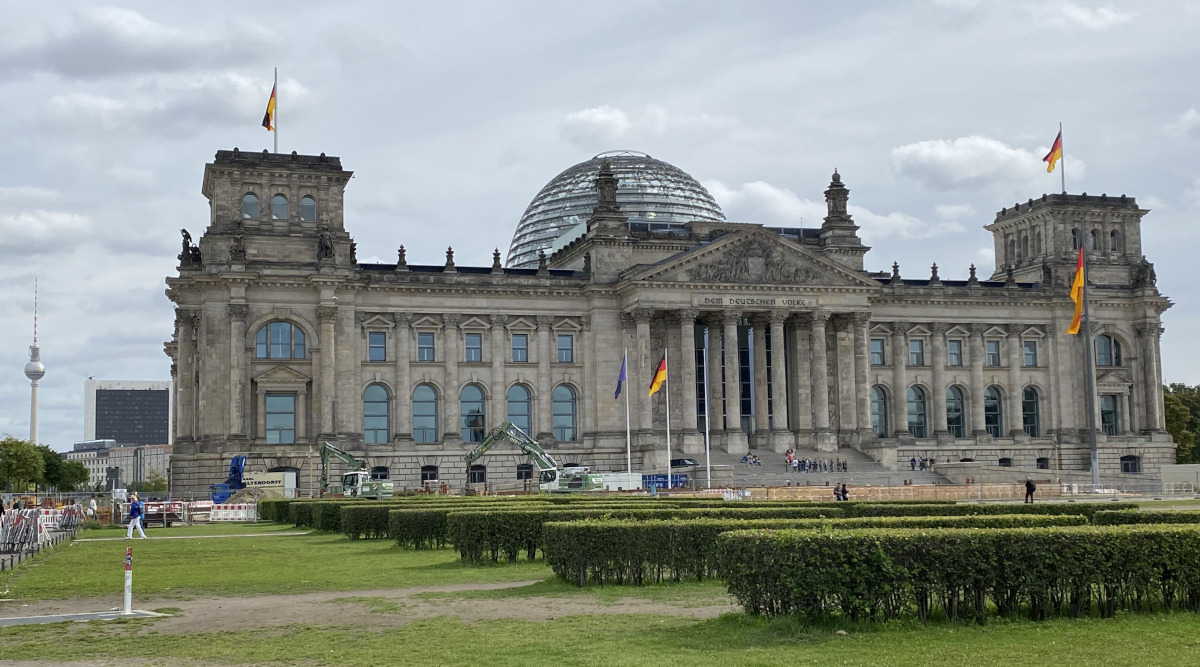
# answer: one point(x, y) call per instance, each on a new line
point(234, 512)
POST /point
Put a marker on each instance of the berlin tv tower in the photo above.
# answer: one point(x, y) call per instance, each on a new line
point(34, 370)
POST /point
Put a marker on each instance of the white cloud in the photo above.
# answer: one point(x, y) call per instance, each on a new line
point(1188, 124)
point(602, 125)
point(973, 163)
point(1192, 194)
point(38, 231)
point(1098, 18)
point(954, 211)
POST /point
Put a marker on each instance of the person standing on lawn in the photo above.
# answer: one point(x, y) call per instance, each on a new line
point(135, 517)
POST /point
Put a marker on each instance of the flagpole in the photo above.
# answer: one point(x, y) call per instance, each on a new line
point(667, 382)
point(1063, 172)
point(275, 118)
point(1091, 380)
point(628, 436)
point(707, 395)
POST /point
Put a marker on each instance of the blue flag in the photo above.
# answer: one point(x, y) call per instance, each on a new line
point(621, 378)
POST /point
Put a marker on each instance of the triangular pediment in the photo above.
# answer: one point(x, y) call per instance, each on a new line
point(752, 257)
point(1113, 379)
point(281, 375)
point(474, 322)
point(377, 321)
point(426, 322)
point(521, 324)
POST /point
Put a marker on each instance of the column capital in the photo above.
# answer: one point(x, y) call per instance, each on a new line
point(688, 315)
point(978, 328)
point(402, 319)
point(939, 328)
point(641, 315)
point(585, 321)
point(860, 318)
point(901, 328)
point(451, 320)
point(818, 318)
point(544, 321)
point(187, 318)
point(327, 314)
point(498, 321)
point(1148, 329)
point(778, 317)
point(731, 317)
point(1014, 330)
point(237, 311)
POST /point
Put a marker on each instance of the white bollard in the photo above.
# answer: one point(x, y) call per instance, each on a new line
point(128, 580)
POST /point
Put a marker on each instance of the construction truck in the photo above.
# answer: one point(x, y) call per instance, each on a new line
point(355, 484)
point(219, 493)
point(571, 480)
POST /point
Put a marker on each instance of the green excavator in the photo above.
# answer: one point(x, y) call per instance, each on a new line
point(570, 480)
point(355, 484)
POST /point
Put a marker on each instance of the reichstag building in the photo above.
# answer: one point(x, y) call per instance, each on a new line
point(283, 339)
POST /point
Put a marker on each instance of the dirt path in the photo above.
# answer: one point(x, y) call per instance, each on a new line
point(242, 613)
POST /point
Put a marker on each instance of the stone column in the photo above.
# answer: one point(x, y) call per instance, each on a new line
point(637, 381)
point(801, 373)
point(186, 324)
point(498, 387)
point(545, 394)
point(402, 401)
point(938, 344)
point(237, 368)
point(451, 426)
point(758, 364)
point(327, 315)
point(590, 396)
point(735, 438)
point(977, 388)
point(714, 404)
point(1015, 358)
point(687, 368)
point(847, 408)
point(1123, 410)
point(862, 367)
point(261, 430)
point(1148, 337)
point(301, 416)
point(820, 373)
point(900, 377)
point(779, 383)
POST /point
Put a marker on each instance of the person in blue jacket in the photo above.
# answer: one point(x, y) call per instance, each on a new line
point(136, 510)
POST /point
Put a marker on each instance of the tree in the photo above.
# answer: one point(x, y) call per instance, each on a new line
point(74, 476)
point(52, 465)
point(1181, 404)
point(154, 482)
point(21, 464)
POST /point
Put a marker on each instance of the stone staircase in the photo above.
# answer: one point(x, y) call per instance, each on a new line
point(862, 470)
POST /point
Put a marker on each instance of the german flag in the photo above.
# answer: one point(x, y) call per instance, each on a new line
point(1055, 153)
point(660, 376)
point(269, 116)
point(1077, 295)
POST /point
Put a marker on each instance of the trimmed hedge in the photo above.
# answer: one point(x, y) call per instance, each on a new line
point(480, 536)
point(1123, 517)
point(639, 552)
point(1035, 572)
point(1085, 509)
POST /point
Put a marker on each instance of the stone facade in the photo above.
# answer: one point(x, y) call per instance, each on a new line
point(283, 339)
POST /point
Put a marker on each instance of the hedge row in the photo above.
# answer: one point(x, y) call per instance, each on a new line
point(1034, 572)
point(1133, 516)
point(639, 552)
point(1085, 509)
point(486, 535)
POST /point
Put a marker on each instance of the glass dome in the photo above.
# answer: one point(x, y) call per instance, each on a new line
point(654, 195)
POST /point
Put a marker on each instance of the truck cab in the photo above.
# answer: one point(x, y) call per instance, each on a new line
point(358, 484)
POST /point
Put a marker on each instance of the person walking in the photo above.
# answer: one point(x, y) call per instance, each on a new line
point(1030, 487)
point(91, 507)
point(912, 463)
point(135, 517)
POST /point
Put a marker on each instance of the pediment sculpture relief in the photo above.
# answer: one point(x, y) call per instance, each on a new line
point(753, 261)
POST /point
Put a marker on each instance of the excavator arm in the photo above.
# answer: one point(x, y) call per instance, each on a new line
point(329, 451)
point(546, 465)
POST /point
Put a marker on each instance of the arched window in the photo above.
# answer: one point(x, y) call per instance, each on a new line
point(1095, 240)
point(1029, 412)
point(916, 411)
point(1114, 243)
point(1108, 351)
point(429, 473)
point(477, 475)
point(1005, 462)
point(955, 420)
point(1131, 465)
point(425, 414)
point(879, 420)
point(1010, 254)
point(1037, 243)
point(993, 412)
point(1074, 239)
point(520, 408)
point(473, 417)
point(564, 413)
point(250, 206)
point(375, 414)
point(524, 471)
point(380, 472)
point(308, 208)
point(279, 340)
point(279, 207)
point(1024, 246)
point(1043, 463)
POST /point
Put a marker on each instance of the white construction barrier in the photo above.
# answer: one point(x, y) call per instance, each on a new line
point(234, 512)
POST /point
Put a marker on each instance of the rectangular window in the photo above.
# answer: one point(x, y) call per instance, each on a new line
point(877, 352)
point(916, 353)
point(993, 353)
point(1108, 414)
point(520, 348)
point(425, 346)
point(280, 418)
point(376, 346)
point(474, 347)
point(1031, 353)
point(566, 349)
point(954, 352)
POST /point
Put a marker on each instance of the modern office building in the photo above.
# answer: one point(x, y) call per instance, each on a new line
point(129, 412)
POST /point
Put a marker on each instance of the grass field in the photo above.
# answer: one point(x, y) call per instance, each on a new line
point(603, 634)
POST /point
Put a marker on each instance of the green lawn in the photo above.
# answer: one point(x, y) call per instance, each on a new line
point(176, 530)
point(247, 566)
point(688, 594)
point(634, 640)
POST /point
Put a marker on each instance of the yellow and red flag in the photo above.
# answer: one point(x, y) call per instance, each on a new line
point(1055, 153)
point(269, 116)
point(1077, 296)
point(660, 376)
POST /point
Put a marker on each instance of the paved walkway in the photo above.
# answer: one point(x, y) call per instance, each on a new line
point(188, 537)
point(78, 618)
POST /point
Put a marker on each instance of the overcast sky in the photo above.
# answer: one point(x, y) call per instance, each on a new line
point(453, 115)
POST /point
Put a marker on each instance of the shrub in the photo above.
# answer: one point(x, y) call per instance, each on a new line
point(274, 510)
point(636, 552)
point(300, 513)
point(488, 534)
point(1036, 572)
point(1121, 517)
point(370, 521)
point(327, 516)
point(1085, 509)
point(419, 529)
